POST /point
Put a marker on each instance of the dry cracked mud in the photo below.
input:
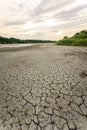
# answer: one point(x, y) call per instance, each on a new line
point(43, 88)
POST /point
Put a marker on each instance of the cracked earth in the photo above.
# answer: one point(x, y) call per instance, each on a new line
point(43, 88)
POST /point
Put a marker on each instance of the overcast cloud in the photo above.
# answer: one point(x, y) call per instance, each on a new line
point(42, 19)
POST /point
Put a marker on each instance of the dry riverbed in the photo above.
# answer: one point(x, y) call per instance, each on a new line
point(43, 87)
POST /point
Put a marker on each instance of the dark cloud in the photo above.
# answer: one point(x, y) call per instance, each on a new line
point(71, 13)
point(39, 34)
point(15, 23)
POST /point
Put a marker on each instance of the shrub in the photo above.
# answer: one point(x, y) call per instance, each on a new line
point(79, 39)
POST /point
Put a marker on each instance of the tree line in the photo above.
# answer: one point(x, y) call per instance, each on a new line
point(4, 40)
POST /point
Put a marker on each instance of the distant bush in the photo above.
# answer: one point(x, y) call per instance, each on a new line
point(79, 39)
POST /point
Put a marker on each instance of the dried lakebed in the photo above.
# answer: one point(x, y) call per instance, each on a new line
point(43, 88)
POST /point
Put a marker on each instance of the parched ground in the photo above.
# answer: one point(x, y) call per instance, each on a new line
point(43, 87)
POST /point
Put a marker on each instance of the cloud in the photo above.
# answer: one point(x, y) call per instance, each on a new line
point(21, 9)
point(39, 34)
point(47, 6)
point(71, 13)
point(68, 26)
point(42, 18)
point(15, 23)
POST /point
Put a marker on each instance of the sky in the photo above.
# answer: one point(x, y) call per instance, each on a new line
point(42, 19)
